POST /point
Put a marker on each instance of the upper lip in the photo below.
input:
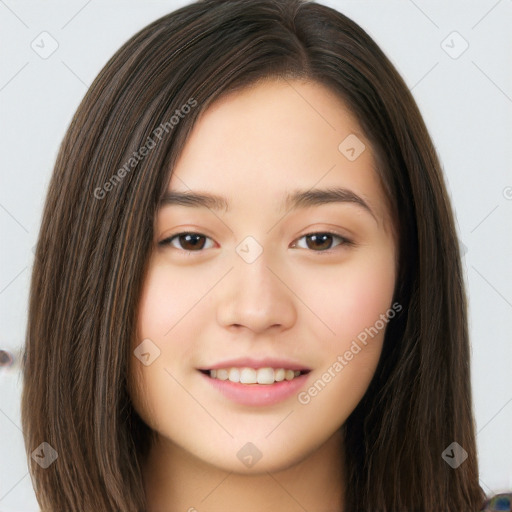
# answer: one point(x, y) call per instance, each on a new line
point(247, 362)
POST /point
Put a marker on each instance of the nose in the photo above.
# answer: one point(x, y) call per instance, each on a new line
point(257, 297)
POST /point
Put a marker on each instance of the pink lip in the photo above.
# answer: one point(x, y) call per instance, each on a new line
point(257, 394)
point(248, 362)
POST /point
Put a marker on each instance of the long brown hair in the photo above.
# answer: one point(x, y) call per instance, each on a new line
point(96, 235)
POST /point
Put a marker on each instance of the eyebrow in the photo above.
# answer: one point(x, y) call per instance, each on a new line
point(194, 199)
point(293, 201)
point(317, 197)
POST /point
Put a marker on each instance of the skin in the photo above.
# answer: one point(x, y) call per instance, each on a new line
point(294, 301)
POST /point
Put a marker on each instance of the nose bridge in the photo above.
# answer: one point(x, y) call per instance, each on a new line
point(254, 296)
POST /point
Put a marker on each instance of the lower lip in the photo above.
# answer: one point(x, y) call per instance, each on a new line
point(258, 394)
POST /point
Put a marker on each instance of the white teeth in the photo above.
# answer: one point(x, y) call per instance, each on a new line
point(234, 375)
point(265, 376)
point(254, 376)
point(279, 375)
point(221, 374)
point(248, 376)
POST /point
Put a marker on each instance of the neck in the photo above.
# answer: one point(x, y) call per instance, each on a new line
point(175, 480)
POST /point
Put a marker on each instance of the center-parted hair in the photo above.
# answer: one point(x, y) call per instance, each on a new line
point(113, 166)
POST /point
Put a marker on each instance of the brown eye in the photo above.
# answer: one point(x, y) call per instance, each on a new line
point(191, 242)
point(322, 242)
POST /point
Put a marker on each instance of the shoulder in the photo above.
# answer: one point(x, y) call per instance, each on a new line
point(499, 502)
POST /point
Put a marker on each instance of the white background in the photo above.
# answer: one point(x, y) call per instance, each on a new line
point(467, 105)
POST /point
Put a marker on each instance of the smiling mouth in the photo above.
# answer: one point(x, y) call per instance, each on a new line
point(249, 376)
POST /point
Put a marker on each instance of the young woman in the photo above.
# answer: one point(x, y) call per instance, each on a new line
point(248, 291)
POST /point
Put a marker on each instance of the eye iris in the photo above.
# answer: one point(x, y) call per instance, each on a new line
point(320, 237)
point(192, 239)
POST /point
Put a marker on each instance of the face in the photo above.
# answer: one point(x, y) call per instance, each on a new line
point(292, 296)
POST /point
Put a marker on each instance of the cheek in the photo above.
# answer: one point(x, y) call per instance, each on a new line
point(351, 298)
point(158, 397)
point(355, 309)
point(155, 309)
point(166, 298)
point(168, 315)
point(160, 308)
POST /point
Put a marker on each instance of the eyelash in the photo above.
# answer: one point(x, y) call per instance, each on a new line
point(344, 241)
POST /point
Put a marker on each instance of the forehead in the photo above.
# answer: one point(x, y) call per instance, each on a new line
point(265, 145)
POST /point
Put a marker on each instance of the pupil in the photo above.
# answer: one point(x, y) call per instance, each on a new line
point(322, 239)
point(190, 240)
